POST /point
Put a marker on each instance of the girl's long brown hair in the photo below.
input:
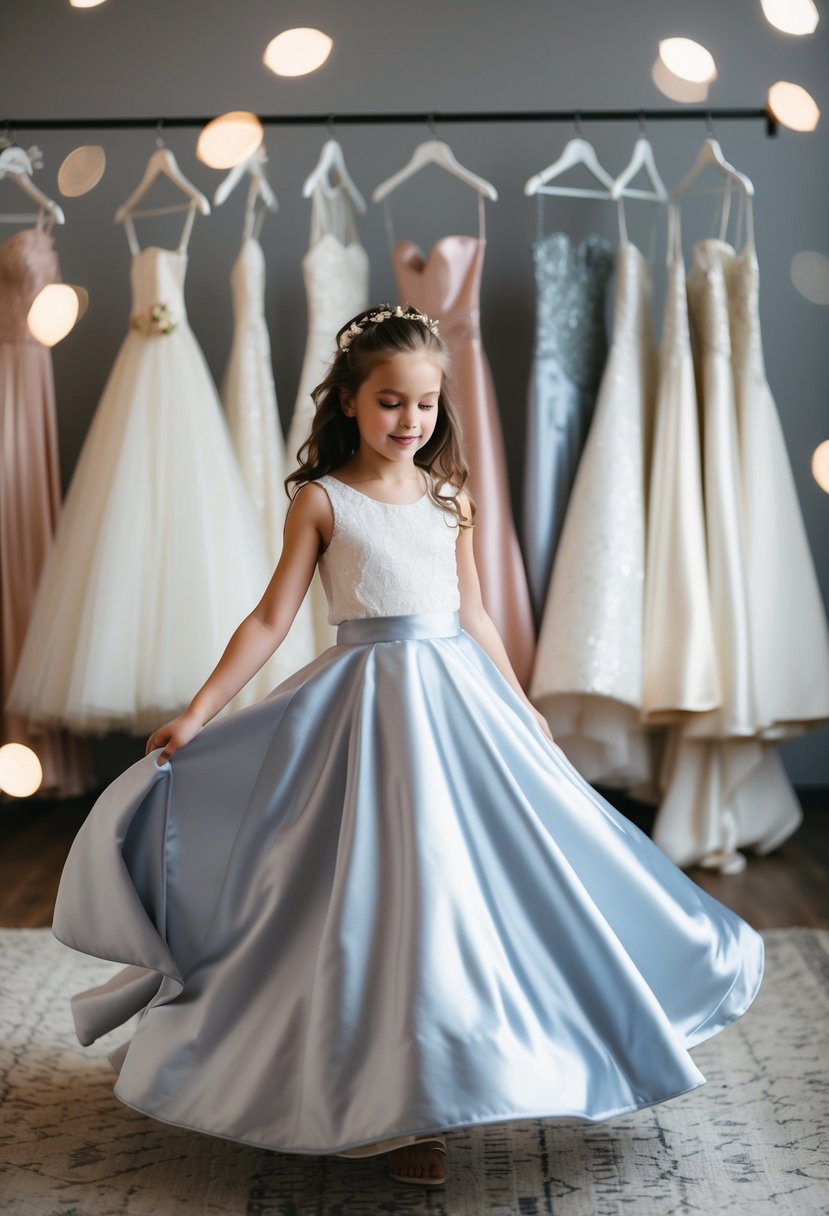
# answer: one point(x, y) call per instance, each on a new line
point(334, 436)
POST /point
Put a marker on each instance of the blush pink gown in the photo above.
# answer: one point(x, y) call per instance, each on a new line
point(446, 286)
point(29, 489)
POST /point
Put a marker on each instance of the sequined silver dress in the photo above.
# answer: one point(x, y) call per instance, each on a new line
point(570, 353)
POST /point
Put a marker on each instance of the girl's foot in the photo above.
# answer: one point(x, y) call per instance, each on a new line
point(420, 1163)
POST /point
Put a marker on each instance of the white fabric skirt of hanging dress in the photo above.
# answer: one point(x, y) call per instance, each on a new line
point(335, 269)
point(724, 786)
point(587, 678)
point(158, 553)
point(249, 398)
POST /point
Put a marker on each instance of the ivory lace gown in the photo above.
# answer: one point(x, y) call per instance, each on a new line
point(335, 270)
point(158, 553)
point(381, 903)
point(29, 490)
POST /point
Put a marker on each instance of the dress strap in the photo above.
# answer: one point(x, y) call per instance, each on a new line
point(129, 228)
point(188, 228)
point(481, 221)
point(481, 217)
point(674, 235)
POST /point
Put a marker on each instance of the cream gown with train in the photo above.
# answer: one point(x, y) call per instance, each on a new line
point(249, 398)
point(158, 553)
point(724, 785)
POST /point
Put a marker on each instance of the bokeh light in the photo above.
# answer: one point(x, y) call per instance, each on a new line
point(297, 52)
point(81, 170)
point(792, 106)
point(791, 16)
point(54, 313)
point(687, 59)
point(229, 139)
point(820, 465)
point(810, 275)
point(20, 770)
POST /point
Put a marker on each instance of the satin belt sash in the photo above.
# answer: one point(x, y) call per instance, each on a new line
point(398, 628)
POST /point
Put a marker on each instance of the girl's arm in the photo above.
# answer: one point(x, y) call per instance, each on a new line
point(264, 629)
point(475, 619)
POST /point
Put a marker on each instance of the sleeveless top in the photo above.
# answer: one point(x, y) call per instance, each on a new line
point(388, 559)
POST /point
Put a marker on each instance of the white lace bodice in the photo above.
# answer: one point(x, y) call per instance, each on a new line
point(387, 559)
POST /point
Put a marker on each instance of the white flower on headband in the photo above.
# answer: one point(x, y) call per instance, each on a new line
point(375, 318)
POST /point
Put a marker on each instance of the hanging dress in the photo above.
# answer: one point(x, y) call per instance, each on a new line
point(381, 902)
point(788, 635)
point(723, 787)
point(587, 679)
point(29, 490)
point(249, 398)
point(159, 553)
point(446, 286)
point(335, 270)
point(568, 360)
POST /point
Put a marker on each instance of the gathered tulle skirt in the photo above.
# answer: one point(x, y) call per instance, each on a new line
point(381, 903)
point(157, 557)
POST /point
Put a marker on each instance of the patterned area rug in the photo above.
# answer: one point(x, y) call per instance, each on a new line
point(754, 1140)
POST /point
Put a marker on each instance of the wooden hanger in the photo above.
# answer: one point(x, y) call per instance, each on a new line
point(642, 158)
point(331, 158)
point(435, 152)
point(259, 186)
point(161, 162)
point(16, 166)
point(576, 152)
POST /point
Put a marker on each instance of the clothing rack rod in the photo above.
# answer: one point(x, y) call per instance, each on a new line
point(307, 120)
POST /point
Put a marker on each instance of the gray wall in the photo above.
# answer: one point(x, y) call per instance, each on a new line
point(204, 57)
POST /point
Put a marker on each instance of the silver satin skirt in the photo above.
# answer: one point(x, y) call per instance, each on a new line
point(380, 903)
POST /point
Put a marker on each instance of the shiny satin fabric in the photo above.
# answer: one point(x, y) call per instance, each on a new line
point(382, 903)
point(446, 285)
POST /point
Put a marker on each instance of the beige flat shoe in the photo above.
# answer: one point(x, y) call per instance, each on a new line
point(437, 1142)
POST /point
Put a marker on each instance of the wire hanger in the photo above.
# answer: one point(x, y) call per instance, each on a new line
point(435, 151)
point(576, 152)
point(710, 153)
point(332, 159)
point(642, 158)
point(161, 162)
point(16, 166)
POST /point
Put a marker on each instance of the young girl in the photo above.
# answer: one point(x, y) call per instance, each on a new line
point(381, 904)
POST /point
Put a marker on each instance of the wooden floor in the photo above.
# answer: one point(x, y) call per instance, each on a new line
point(789, 887)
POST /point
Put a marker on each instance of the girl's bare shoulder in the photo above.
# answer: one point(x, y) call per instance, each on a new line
point(311, 505)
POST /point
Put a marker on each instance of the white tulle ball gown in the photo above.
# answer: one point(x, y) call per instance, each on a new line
point(159, 553)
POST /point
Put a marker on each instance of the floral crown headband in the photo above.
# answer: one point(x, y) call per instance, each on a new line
point(375, 318)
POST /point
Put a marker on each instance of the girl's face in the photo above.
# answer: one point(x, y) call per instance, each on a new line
point(396, 406)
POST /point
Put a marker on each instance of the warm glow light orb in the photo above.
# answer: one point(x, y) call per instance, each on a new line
point(81, 170)
point(297, 52)
point(85, 3)
point(53, 313)
point(20, 771)
point(810, 275)
point(793, 106)
point(820, 465)
point(676, 88)
point(687, 59)
point(229, 139)
point(791, 16)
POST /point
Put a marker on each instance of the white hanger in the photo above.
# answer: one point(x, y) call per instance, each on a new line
point(435, 152)
point(161, 161)
point(711, 153)
point(259, 186)
point(642, 158)
point(577, 152)
point(16, 166)
point(332, 157)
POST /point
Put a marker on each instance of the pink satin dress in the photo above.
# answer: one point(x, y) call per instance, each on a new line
point(29, 490)
point(446, 286)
